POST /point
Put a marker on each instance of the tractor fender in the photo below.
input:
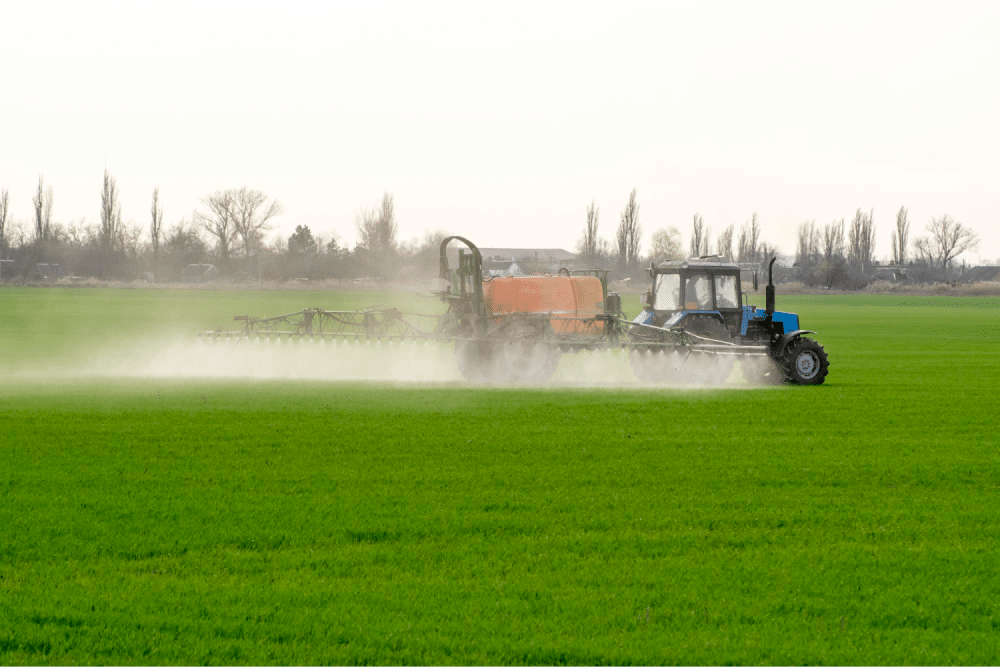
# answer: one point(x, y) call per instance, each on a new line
point(779, 347)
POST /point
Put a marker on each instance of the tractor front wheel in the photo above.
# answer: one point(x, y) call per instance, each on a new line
point(805, 362)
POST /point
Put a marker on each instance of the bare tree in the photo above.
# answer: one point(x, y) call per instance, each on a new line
point(588, 245)
point(749, 237)
point(111, 214)
point(366, 220)
point(17, 234)
point(900, 237)
point(43, 210)
point(947, 240)
point(766, 251)
point(604, 250)
point(833, 240)
point(666, 244)
point(724, 244)
point(924, 251)
point(861, 240)
point(808, 247)
point(239, 213)
point(80, 233)
point(218, 221)
point(39, 203)
point(47, 214)
point(832, 264)
point(130, 236)
point(629, 234)
point(156, 229)
point(431, 242)
point(4, 208)
point(251, 215)
point(377, 232)
point(699, 237)
point(182, 245)
point(388, 227)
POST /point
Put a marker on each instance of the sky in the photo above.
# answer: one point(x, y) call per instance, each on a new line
point(503, 121)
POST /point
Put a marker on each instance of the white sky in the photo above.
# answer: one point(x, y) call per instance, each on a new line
point(502, 121)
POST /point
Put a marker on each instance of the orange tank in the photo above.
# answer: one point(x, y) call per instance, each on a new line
point(567, 298)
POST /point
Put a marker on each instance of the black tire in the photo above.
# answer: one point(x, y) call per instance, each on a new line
point(527, 362)
point(708, 368)
point(525, 352)
point(476, 359)
point(805, 362)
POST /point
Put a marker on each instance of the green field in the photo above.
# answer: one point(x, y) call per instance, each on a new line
point(161, 518)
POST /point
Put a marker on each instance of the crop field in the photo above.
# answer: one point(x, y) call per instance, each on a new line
point(159, 506)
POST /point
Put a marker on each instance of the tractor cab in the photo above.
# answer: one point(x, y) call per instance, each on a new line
point(685, 291)
point(705, 296)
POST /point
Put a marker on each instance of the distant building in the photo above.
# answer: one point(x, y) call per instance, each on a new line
point(199, 273)
point(520, 261)
point(893, 274)
point(540, 254)
point(531, 260)
point(981, 274)
point(496, 268)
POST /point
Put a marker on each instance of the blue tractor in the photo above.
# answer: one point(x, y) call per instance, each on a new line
point(696, 325)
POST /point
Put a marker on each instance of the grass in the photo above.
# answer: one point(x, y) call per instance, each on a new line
point(181, 521)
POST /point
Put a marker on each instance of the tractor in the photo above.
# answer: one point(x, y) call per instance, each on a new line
point(704, 299)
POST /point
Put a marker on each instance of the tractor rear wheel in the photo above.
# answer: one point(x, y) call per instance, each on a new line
point(476, 359)
point(805, 362)
point(525, 352)
point(528, 361)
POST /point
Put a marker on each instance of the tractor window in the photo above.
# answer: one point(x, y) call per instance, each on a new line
point(725, 292)
point(697, 293)
point(668, 292)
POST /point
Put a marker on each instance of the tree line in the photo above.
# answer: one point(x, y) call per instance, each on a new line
point(839, 255)
point(229, 230)
point(835, 255)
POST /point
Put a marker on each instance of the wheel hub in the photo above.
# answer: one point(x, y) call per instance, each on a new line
point(807, 364)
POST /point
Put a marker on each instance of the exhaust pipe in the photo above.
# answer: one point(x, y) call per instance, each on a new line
point(769, 290)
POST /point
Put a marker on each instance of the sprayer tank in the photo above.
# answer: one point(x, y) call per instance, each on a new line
point(565, 297)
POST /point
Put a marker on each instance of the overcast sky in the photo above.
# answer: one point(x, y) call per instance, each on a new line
point(502, 121)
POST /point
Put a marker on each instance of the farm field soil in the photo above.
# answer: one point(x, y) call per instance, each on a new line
point(170, 519)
